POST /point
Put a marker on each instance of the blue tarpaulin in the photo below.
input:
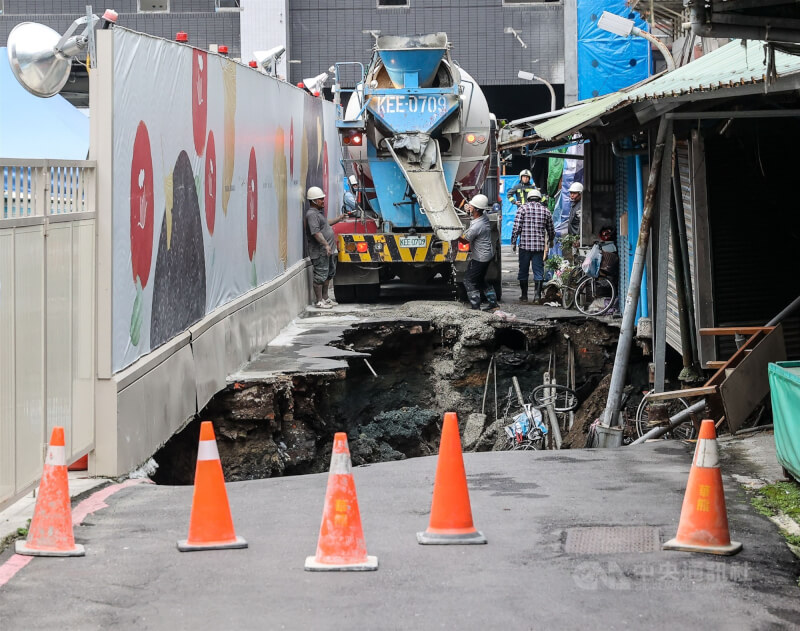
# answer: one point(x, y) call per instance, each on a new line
point(607, 62)
point(35, 128)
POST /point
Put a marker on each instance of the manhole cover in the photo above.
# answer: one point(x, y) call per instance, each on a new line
point(612, 539)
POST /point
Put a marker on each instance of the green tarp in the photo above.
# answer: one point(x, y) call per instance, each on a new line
point(784, 385)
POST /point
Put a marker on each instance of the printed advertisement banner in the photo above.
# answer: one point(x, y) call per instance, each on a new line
point(211, 163)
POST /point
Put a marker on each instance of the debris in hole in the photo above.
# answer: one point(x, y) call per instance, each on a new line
point(431, 358)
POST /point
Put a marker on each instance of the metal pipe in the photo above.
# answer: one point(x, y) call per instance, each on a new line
point(552, 92)
point(536, 117)
point(658, 44)
point(618, 375)
point(625, 153)
point(674, 421)
point(642, 306)
point(793, 306)
point(733, 114)
point(704, 27)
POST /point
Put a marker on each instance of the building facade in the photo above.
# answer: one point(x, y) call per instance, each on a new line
point(208, 22)
point(491, 39)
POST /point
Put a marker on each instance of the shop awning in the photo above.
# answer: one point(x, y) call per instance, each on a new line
point(734, 65)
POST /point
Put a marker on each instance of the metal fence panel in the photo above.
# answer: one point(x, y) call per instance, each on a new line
point(47, 302)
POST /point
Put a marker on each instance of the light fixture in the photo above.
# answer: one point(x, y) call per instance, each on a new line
point(529, 76)
point(314, 84)
point(510, 31)
point(624, 27)
point(41, 58)
point(268, 59)
point(373, 32)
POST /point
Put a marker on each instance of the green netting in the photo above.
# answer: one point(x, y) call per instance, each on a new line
point(555, 168)
point(784, 384)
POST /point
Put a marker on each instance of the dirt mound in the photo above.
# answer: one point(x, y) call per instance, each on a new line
point(591, 409)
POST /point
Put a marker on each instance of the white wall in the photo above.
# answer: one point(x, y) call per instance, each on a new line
point(264, 26)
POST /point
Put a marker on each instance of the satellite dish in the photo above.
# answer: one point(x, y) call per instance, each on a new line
point(36, 64)
point(41, 58)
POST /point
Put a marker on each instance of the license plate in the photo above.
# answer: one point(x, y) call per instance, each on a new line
point(412, 242)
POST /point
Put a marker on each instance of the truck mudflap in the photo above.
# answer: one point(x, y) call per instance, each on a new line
point(397, 248)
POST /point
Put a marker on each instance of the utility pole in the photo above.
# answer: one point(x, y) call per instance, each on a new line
point(618, 375)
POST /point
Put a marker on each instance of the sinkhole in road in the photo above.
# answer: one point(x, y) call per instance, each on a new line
point(425, 366)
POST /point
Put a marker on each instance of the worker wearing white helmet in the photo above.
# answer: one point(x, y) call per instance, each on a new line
point(575, 208)
point(533, 226)
point(479, 237)
point(518, 194)
point(321, 246)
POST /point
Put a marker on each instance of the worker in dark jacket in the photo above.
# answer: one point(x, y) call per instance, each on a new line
point(518, 194)
point(479, 237)
point(575, 208)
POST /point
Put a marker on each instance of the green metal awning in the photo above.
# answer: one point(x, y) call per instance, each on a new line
point(732, 65)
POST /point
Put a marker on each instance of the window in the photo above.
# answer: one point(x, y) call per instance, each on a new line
point(514, 3)
point(153, 6)
point(228, 5)
point(391, 4)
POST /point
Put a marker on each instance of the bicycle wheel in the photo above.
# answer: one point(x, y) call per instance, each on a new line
point(645, 421)
point(594, 296)
point(564, 399)
point(567, 297)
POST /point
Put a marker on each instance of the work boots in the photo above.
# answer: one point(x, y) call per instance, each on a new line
point(474, 299)
point(523, 291)
point(537, 291)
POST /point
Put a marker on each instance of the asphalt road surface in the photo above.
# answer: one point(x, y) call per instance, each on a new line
point(526, 503)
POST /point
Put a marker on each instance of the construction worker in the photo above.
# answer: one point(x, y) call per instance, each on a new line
point(575, 208)
point(518, 194)
point(532, 225)
point(479, 236)
point(321, 246)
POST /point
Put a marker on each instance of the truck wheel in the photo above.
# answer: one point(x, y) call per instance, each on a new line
point(368, 293)
point(345, 293)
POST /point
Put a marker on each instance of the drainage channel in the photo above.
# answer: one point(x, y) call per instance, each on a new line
point(386, 382)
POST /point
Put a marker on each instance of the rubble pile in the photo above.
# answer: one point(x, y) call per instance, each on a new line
point(430, 358)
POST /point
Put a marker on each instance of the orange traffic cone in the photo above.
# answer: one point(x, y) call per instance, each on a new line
point(211, 524)
point(341, 543)
point(50, 533)
point(451, 514)
point(703, 526)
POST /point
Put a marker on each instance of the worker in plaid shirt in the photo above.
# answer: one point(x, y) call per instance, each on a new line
point(532, 224)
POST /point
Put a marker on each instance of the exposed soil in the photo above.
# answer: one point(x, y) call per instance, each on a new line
point(430, 360)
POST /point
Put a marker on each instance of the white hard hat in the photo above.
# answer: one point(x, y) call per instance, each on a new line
point(534, 193)
point(525, 172)
point(315, 192)
point(480, 202)
point(353, 180)
point(576, 187)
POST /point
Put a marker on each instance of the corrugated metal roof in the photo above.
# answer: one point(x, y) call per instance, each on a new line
point(731, 65)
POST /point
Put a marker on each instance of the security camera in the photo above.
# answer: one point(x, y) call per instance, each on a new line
point(268, 59)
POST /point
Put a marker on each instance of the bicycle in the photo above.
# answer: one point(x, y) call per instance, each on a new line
point(595, 296)
point(645, 420)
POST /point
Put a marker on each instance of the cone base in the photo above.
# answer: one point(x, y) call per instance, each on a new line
point(732, 548)
point(185, 546)
point(433, 538)
point(21, 547)
point(312, 565)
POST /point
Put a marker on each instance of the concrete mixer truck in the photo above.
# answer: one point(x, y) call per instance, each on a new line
point(415, 137)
